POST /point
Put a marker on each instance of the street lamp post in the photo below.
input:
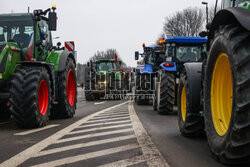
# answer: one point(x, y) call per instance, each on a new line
point(205, 3)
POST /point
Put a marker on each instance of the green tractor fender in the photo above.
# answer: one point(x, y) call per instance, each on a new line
point(63, 58)
point(50, 68)
point(236, 15)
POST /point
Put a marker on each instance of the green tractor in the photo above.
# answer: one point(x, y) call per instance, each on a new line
point(222, 84)
point(37, 80)
point(103, 78)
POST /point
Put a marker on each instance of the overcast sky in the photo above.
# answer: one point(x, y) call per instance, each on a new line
point(102, 24)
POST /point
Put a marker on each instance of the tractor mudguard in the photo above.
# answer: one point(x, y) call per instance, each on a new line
point(173, 68)
point(193, 70)
point(63, 59)
point(146, 69)
point(236, 15)
point(49, 67)
point(193, 73)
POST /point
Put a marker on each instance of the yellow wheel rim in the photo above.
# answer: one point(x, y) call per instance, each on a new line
point(221, 94)
point(183, 103)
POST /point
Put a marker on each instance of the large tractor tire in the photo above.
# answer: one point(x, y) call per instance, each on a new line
point(166, 93)
point(190, 120)
point(30, 97)
point(88, 94)
point(67, 92)
point(142, 87)
point(227, 95)
point(156, 85)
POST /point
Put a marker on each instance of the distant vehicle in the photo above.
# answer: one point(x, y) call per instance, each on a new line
point(103, 77)
point(152, 57)
point(179, 50)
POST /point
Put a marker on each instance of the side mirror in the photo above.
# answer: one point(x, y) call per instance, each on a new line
point(136, 55)
point(58, 44)
point(203, 34)
point(52, 21)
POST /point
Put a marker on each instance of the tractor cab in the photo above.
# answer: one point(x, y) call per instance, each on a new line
point(105, 65)
point(180, 50)
point(152, 57)
point(232, 3)
point(28, 33)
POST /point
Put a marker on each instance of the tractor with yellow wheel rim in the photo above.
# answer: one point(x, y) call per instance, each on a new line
point(215, 95)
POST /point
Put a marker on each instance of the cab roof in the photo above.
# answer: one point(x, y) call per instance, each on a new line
point(186, 40)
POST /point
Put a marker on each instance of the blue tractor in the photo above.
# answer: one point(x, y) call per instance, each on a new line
point(145, 73)
point(179, 50)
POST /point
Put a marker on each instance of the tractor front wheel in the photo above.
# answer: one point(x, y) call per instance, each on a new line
point(30, 97)
point(67, 92)
point(226, 93)
point(166, 94)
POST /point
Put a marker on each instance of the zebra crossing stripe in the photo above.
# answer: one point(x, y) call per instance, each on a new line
point(82, 157)
point(35, 149)
point(92, 143)
point(99, 128)
point(103, 123)
point(94, 135)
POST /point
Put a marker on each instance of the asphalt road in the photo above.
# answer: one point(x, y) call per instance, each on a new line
point(104, 133)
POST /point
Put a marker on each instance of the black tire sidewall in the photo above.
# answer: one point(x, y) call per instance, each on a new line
point(181, 123)
point(217, 143)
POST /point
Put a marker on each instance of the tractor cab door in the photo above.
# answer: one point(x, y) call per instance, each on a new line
point(44, 41)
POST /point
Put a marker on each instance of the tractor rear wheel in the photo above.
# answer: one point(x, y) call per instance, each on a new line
point(226, 93)
point(190, 121)
point(88, 94)
point(67, 92)
point(30, 97)
point(166, 94)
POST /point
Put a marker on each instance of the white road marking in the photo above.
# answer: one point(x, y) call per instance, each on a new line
point(107, 119)
point(103, 123)
point(99, 128)
point(92, 143)
point(113, 115)
point(100, 102)
point(35, 149)
point(94, 135)
point(36, 130)
point(154, 157)
point(73, 159)
point(126, 162)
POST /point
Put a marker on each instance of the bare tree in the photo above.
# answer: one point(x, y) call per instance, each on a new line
point(188, 22)
point(108, 54)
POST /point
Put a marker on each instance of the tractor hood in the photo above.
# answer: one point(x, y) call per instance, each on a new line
point(102, 73)
point(10, 54)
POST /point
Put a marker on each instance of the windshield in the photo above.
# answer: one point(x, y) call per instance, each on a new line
point(188, 53)
point(16, 29)
point(105, 66)
point(229, 3)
